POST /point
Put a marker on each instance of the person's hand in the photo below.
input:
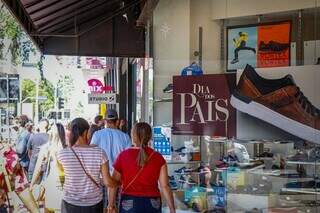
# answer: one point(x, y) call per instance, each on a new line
point(111, 209)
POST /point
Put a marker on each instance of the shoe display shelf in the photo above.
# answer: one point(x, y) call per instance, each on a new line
point(161, 100)
point(195, 184)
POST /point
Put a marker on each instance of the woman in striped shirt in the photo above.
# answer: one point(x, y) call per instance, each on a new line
point(83, 166)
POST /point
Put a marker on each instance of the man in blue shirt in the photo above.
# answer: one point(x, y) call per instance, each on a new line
point(22, 142)
point(111, 139)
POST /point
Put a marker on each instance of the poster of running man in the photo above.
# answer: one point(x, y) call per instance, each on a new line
point(261, 45)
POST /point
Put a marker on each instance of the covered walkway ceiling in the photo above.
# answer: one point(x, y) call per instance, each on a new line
point(85, 27)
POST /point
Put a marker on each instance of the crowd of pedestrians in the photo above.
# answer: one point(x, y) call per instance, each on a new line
point(94, 167)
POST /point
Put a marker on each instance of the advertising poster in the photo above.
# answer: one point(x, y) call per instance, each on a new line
point(242, 44)
point(260, 45)
point(274, 45)
point(162, 141)
point(201, 105)
point(13, 92)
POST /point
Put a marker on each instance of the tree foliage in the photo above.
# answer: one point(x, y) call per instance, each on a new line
point(46, 89)
point(20, 45)
point(66, 87)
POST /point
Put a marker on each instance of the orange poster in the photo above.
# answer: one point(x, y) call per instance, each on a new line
point(274, 45)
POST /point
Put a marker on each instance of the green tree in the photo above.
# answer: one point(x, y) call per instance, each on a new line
point(20, 45)
point(66, 87)
point(45, 89)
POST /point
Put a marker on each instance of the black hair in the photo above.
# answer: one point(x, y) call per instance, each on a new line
point(78, 127)
point(45, 120)
point(62, 134)
point(97, 119)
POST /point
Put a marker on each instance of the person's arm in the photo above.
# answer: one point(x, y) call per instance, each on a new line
point(29, 146)
point(21, 145)
point(107, 179)
point(164, 183)
point(112, 193)
point(37, 168)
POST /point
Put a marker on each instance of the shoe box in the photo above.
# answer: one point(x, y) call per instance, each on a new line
point(306, 77)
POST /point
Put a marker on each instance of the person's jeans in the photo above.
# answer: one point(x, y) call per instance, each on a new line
point(69, 208)
point(134, 204)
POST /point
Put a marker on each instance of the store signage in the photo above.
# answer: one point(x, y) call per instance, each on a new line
point(201, 105)
point(105, 98)
point(96, 86)
point(162, 141)
point(95, 62)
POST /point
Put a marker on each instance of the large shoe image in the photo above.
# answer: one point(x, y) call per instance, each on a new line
point(279, 102)
point(273, 46)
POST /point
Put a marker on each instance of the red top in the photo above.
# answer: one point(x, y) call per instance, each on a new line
point(146, 184)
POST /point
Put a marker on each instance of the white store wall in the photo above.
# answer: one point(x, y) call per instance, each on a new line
point(222, 9)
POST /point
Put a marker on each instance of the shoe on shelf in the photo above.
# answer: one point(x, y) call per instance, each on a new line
point(172, 183)
point(300, 156)
point(314, 154)
point(181, 149)
point(189, 145)
point(230, 159)
point(279, 102)
point(168, 89)
point(183, 170)
point(265, 155)
point(221, 164)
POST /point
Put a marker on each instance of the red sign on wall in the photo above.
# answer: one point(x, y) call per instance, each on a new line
point(201, 105)
point(96, 86)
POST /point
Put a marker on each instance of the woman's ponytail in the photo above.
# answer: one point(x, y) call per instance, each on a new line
point(143, 133)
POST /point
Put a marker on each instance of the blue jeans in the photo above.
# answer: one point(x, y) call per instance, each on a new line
point(134, 204)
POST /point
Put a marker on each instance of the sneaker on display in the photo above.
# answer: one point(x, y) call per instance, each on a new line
point(168, 89)
point(194, 69)
point(172, 183)
point(181, 149)
point(183, 170)
point(279, 102)
point(300, 156)
point(221, 164)
point(189, 145)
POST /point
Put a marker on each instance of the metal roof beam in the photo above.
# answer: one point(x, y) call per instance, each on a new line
point(67, 14)
point(51, 9)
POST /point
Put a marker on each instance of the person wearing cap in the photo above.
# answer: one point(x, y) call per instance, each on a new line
point(112, 140)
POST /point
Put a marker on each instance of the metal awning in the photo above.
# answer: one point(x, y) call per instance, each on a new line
point(85, 27)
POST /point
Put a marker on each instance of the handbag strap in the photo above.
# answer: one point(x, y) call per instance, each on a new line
point(85, 171)
point(138, 173)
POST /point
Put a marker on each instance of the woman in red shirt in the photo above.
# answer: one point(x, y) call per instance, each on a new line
point(140, 169)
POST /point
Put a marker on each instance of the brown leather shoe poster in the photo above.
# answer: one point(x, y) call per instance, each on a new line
point(282, 103)
point(201, 105)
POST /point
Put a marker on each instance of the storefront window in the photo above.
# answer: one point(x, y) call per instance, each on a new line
point(236, 81)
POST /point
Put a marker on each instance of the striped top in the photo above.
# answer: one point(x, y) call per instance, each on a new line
point(78, 188)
